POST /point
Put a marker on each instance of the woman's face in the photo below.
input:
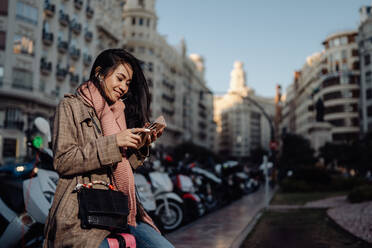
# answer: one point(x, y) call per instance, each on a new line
point(117, 83)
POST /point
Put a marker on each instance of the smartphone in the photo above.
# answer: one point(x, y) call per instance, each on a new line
point(158, 124)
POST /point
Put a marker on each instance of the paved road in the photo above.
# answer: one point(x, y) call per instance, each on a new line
point(221, 228)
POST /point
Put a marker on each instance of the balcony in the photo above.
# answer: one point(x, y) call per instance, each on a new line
point(45, 67)
point(74, 53)
point(167, 111)
point(169, 99)
point(10, 124)
point(87, 59)
point(49, 9)
point(88, 36)
point(64, 19)
point(75, 27)
point(47, 38)
point(61, 73)
point(78, 4)
point(62, 46)
point(202, 106)
point(89, 12)
point(74, 78)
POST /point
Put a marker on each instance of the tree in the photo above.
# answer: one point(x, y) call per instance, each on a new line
point(296, 152)
point(352, 156)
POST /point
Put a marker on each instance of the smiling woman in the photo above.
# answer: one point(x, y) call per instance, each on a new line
point(94, 130)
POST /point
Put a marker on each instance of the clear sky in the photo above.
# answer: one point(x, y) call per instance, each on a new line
point(271, 37)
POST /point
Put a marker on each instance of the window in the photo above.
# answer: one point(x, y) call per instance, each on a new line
point(13, 119)
point(57, 91)
point(26, 13)
point(151, 66)
point(133, 21)
point(46, 28)
point(354, 53)
point(337, 122)
point(141, 3)
point(343, 40)
point(141, 21)
point(60, 35)
point(141, 49)
point(42, 86)
point(1, 74)
point(336, 42)
point(344, 78)
point(4, 7)
point(369, 111)
point(2, 40)
point(343, 54)
point(23, 44)
point(9, 147)
point(22, 79)
point(368, 77)
point(369, 94)
point(347, 93)
point(148, 22)
point(367, 59)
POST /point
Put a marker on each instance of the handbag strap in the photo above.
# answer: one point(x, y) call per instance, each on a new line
point(95, 182)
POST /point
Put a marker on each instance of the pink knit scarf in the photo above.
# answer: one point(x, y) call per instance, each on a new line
point(112, 119)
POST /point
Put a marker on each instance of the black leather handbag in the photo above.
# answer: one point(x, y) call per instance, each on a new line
point(102, 208)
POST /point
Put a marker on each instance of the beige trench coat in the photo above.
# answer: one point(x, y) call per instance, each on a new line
point(80, 149)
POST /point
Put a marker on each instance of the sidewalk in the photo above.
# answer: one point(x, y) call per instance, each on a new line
point(223, 228)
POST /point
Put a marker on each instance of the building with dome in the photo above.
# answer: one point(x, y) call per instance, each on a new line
point(241, 125)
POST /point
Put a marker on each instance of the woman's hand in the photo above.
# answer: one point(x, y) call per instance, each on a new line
point(129, 138)
point(153, 135)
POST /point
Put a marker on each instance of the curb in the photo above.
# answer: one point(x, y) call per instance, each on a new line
point(334, 222)
point(243, 234)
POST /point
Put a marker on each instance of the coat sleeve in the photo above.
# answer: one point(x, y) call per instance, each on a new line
point(70, 158)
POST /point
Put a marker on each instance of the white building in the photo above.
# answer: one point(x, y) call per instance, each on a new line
point(47, 49)
point(365, 54)
point(177, 82)
point(329, 78)
point(241, 126)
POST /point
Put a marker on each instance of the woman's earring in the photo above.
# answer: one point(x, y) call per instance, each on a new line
point(124, 98)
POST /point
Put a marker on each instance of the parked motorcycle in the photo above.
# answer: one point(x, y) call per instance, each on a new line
point(193, 204)
point(169, 206)
point(145, 194)
point(209, 186)
point(22, 214)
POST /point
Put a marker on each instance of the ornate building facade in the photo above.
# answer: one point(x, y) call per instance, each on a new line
point(326, 90)
point(47, 49)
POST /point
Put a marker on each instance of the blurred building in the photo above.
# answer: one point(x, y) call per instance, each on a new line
point(288, 120)
point(326, 91)
point(176, 80)
point(47, 49)
point(241, 125)
point(365, 54)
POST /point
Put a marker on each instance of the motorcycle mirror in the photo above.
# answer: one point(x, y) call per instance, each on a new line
point(43, 126)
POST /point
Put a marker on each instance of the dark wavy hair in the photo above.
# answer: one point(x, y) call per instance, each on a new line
point(137, 99)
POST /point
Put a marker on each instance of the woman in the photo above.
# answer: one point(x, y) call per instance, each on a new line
point(90, 135)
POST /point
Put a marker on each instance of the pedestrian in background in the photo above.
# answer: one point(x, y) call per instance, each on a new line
point(90, 135)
